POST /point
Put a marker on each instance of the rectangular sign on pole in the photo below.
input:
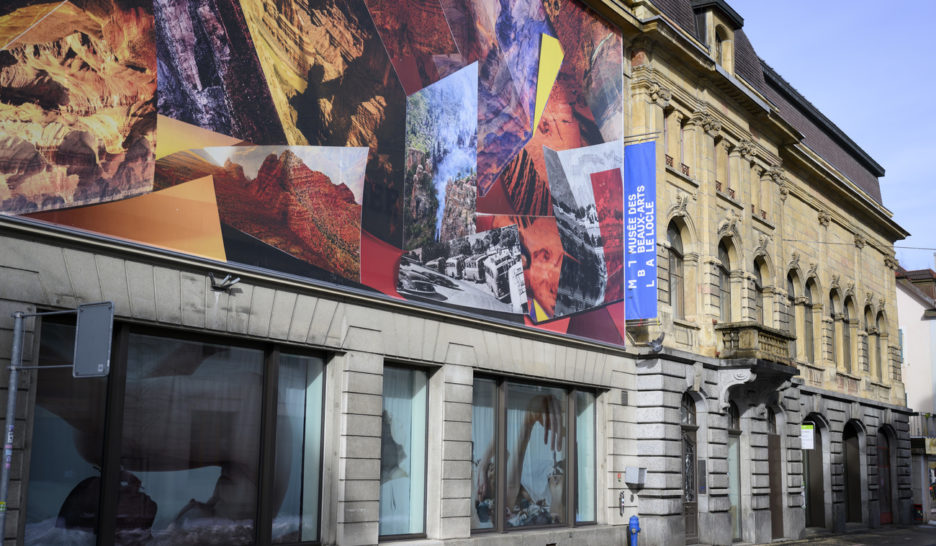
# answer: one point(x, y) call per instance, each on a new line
point(640, 272)
point(807, 436)
point(93, 339)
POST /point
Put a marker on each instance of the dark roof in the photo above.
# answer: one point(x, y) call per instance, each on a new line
point(680, 11)
point(732, 15)
point(820, 134)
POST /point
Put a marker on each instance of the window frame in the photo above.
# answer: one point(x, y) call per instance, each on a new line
point(500, 526)
point(425, 521)
point(677, 276)
point(115, 404)
point(724, 283)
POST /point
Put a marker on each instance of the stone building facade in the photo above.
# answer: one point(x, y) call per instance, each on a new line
point(776, 310)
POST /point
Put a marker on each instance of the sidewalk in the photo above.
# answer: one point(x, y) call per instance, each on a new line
point(902, 535)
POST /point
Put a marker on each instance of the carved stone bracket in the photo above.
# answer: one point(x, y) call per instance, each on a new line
point(824, 218)
point(707, 122)
point(729, 377)
point(746, 149)
point(776, 174)
point(860, 241)
point(869, 298)
point(890, 262)
point(881, 303)
point(659, 94)
point(784, 190)
point(835, 282)
point(813, 270)
point(850, 290)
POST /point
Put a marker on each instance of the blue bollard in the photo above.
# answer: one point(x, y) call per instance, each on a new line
point(633, 526)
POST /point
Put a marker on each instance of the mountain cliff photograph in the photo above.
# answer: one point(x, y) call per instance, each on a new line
point(77, 103)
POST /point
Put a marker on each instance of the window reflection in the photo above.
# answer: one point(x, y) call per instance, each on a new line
point(191, 443)
point(536, 460)
point(403, 452)
point(298, 448)
point(483, 454)
point(67, 447)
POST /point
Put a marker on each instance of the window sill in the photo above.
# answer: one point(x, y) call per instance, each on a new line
point(763, 221)
point(727, 198)
point(686, 324)
point(682, 177)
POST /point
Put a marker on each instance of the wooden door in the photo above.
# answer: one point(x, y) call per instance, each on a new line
point(884, 478)
point(774, 467)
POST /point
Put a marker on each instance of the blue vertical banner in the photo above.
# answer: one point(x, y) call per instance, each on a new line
point(640, 271)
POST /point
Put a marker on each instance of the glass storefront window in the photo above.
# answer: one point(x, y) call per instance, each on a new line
point(187, 467)
point(190, 455)
point(527, 440)
point(298, 448)
point(67, 447)
point(585, 456)
point(403, 452)
point(483, 433)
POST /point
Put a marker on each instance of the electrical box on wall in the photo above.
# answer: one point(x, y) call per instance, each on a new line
point(635, 477)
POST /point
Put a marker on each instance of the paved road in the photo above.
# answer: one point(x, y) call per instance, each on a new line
point(910, 535)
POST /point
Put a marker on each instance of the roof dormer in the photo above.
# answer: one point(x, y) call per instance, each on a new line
point(716, 23)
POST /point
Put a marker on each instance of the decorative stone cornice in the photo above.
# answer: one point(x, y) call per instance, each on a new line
point(824, 218)
point(776, 174)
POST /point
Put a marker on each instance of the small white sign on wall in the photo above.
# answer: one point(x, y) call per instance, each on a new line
point(806, 436)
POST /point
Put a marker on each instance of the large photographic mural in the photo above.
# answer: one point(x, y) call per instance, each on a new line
point(457, 153)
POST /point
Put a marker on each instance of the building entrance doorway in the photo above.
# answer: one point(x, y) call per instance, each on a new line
point(884, 478)
point(813, 477)
point(852, 456)
point(689, 457)
point(775, 469)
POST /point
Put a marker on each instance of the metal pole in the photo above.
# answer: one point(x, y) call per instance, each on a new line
point(16, 360)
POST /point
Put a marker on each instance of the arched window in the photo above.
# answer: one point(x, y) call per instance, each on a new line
point(758, 293)
point(676, 277)
point(881, 327)
point(724, 284)
point(835, 330)
point(808, 339)
point(720, 45)
point(868, 341)
point(791, 312)
point(846, 339)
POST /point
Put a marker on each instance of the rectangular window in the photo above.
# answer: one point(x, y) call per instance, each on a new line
point(67, 447)
point(192, 461)
point(539, 441)
point(403, 452)
point(298, 448)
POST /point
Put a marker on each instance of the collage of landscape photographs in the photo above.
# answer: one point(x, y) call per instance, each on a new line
point(457, 153)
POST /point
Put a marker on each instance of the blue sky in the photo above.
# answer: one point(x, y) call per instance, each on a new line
point(869, 67)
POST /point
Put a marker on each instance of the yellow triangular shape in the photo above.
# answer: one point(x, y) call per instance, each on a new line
point(549, 62)
point(174, 136)
point(540, 314)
